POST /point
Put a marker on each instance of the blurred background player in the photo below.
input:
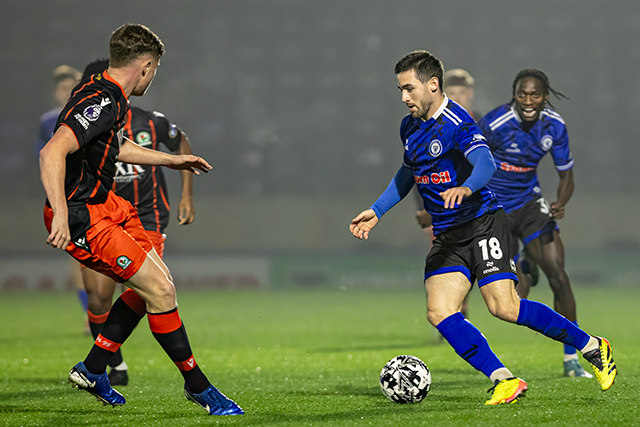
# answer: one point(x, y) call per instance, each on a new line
point(458, 85)
point(520, 133)
point(65, 78)
point(145, 188)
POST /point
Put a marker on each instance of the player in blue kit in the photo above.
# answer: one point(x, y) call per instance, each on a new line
point(520, 134)
point(446, 155)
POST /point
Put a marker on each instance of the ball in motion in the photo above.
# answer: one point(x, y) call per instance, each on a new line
point(405, 379)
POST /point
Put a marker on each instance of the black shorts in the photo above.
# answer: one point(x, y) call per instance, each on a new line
point(530, 222)
point(478, 249)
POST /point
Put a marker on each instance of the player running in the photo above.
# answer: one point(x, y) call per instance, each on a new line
point(102, 231)
point(446, 155)
point(145, 188)
point(520, 133)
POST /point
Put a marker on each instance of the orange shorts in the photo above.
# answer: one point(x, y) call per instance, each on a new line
point(157, 239)
point(116, 243)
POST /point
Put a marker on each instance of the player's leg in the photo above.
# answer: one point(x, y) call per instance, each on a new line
point(548, 251)
point(504, 303)
point(445, 294)
point(154, 284)
point(100, 291)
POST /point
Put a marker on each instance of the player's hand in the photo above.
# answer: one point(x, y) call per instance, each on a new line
point(424, 219)
point(362, 224)
point(60, 235)
point(186, 211)
point(557, 211)
point(453, 196)
point(191, 163)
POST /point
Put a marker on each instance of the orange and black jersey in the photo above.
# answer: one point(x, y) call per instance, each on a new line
point(95, 114)
point(144, 186)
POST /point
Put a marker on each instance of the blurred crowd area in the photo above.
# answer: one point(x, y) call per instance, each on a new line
point(295, 104)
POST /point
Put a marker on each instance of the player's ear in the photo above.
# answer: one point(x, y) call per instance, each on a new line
point(146, 67)
point(434, 84)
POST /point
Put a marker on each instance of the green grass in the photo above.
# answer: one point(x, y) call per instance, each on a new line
point(312, 358)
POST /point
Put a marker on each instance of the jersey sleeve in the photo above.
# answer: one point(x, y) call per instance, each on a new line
point(167, 133)
point(468, 137)
point(90, 117)
point(560, 149)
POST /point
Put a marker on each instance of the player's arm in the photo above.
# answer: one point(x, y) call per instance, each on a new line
point(53, 161)
point(565, 190)
point(398, 188)
point(131, 152)
point(484, 166)
point(186, 211)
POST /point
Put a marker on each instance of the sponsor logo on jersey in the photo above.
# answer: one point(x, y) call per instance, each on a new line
point(513, 148)
point(434, 178)
point(173, 131)
point(406, 145)
point(83, 122)
point(546, 142)
point(126, 172)
point(105, 102)
point(92, 112)
point(511, 168)
point(123, 262)
point(143, 138)
point(435, 148)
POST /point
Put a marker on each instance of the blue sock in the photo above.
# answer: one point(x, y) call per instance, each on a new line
point(543, 319)
point(84, 300)
point(469, 343)
point(567, 348)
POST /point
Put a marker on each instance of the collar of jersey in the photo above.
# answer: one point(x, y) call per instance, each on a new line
point(114, 81)
point(435, 116)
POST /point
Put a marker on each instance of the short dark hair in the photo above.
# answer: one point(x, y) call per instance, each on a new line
point(130, 41)
point(97, 66)
point(424, 64)
point(542, 78)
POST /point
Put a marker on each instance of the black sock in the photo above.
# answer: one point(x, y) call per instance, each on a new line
point(168, 330)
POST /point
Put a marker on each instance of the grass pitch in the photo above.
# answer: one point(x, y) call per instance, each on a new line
point(303, 358)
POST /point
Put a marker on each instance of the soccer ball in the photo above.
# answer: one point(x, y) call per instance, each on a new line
point(405, 379)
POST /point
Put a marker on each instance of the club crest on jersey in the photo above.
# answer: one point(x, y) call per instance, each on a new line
point(143, 138)
point(92, 112)
point(123, 262)
point(546, 142)
point(435, 148)
point(173, 131)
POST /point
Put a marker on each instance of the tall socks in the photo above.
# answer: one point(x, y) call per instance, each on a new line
point(168, 330)
point(543, 319)
point(469, 343)
point(121, 321)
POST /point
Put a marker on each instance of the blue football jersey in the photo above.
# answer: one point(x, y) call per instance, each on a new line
point(518, 153)
point(436, 151)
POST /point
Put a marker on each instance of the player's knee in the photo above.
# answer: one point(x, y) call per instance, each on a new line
point(436, 316)
point(505, 310)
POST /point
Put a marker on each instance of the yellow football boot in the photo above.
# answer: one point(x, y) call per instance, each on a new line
point(601, 360)
point(507, 391)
